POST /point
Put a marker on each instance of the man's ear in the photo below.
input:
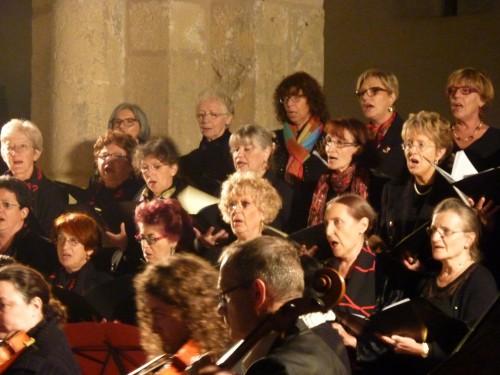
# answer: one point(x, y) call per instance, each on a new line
point(260, 296)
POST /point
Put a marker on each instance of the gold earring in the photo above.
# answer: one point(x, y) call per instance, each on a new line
point(390, 109)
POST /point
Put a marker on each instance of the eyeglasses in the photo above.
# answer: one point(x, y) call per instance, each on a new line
point(149, 239)
point(7, 205)
point(294, 99)
point(330, 142)
point(442, 231)
point(370, 91)
point(18, 149)
point(126, 122)
point(420, 146)
point(239, 204)
point(210, 115)
point(223, 300)
point(154, 167)
point(70, 241)
point(105, 156)
point(463, 90)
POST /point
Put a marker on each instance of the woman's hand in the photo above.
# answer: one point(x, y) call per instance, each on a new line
point(209, 238)
point(406, 345)
point(486, 210)
point(118, 240)
point(412, 263)
point(347, 339)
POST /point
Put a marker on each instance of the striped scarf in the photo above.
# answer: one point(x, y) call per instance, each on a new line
point(300, 144)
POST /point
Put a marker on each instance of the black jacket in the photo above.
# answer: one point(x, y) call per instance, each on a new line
point(301, 351)
point(49, 355)
point(80, 282)
point(208, 166)
point(389, 163)
point(31, 249)
point(302, 190)
point(49, 200)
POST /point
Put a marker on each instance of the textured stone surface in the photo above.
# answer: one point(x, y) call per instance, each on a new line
point(90, 55)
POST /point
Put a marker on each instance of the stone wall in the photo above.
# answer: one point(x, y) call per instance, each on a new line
point(90, 55)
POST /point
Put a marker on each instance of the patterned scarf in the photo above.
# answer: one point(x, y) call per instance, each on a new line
point(349, 180)
point(300, 145)
point(377, 132)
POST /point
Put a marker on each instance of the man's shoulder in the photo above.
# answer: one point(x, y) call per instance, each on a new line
point(303, 352)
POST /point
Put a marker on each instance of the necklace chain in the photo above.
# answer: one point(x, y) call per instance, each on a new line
point(469, 137)
point(419, 192)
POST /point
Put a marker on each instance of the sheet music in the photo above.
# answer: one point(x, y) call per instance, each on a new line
point(462, 166)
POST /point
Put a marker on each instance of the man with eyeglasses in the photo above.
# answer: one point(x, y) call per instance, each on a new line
point(18, 239)
point(257, 278)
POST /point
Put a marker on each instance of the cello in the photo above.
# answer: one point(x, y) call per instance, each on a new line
point(330, 288)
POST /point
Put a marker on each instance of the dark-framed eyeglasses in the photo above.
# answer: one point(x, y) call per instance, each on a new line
point(149, 238)
point(126, 122)
point(330, 142)
point(106, 155)
point(463, 90)
point(294, 99)
point(223, 295)
point(370, 91)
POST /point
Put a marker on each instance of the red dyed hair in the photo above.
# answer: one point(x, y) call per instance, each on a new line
point(81, 226)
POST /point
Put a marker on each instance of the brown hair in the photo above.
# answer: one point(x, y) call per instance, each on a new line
point(118, 138)
point(163, 149)
point(311, 89)
point(190, 284)
point(81, 226)
point(30, 283)
point(357, 129)
point(358, 208)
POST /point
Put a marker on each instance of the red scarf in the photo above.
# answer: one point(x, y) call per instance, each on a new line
point(349, 180)
point(378, 132)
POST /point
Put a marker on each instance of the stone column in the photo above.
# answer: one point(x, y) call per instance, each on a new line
point(90, 55)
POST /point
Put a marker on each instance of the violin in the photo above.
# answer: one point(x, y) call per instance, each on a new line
point(171, 365)
point(12, 347)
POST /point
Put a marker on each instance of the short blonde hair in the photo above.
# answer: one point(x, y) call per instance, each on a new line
point(25, 127)
point(437, 128)
point(474, 78)
point(388, 79)
point(264, 195)
point(253, 134)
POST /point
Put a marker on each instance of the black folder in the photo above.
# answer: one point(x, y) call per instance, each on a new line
point(485, 183)
point(416, 318)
